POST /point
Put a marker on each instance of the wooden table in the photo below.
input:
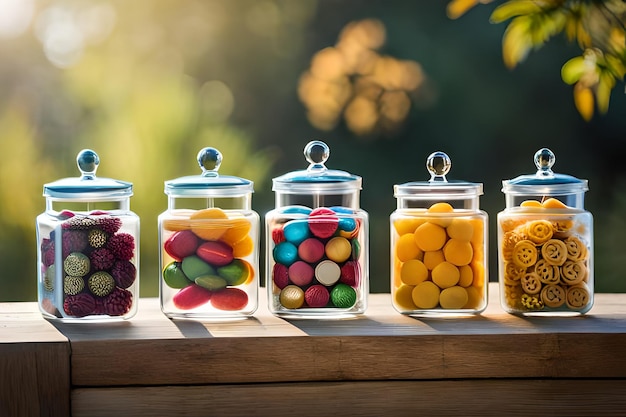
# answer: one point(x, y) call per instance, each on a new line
point(383, 363)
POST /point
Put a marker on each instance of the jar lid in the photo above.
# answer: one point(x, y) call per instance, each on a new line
point(209, 183)
point(88, 186)
point(544, 181)
point(317, 178)
point(438, 165)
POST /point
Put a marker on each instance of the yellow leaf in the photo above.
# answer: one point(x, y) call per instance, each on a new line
point(514, 8)
point(457, 8)
point(603, 91)
point(516, 42)
point(573, 69)
point(583, 100)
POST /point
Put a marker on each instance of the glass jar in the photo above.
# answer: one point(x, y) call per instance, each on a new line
point(208, 240)
point(438, 245)
point(317, 244)
point(545, 243)
point(88, 242)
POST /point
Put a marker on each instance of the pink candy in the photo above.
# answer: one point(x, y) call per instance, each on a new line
point(191, 297)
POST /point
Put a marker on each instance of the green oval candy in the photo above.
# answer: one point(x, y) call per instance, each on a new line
point(195, 267)
point(174, 276)
point(211, 282)
point(235, 273)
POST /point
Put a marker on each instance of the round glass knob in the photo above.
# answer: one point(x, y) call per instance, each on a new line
point(316, 153)
point(544, 160)
point(87, 161)
point(438, 164)
point(209, 160)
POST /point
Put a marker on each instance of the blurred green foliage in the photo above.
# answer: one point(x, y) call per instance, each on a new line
point(149, 83)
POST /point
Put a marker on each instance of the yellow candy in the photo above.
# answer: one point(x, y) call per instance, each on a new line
point(403, 297)
point(426, 295)
point(443, 221)
point(479, 231)
point(478, 270)
point(466, 276)
point(458, 252)
point(446, 275)
point(413, 272)
point(406, 248)
point(440, 208)
point(453, 297)
point(430, 236)
point(433, 258)
point(237, 230)
point(553, 203)
point(209, 230)
point(474, 298)
point(404, 226)
point(530, 203)
point(461, 229)
point(244, 247)
point(292, 296)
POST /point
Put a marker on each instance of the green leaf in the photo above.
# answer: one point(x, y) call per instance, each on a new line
point(573, 69)
point(513, 8)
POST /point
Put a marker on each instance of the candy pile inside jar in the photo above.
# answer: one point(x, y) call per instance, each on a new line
point(316, 257)
point(205, 255)
point(546, 257)
point(438, 261)
point(97, 262)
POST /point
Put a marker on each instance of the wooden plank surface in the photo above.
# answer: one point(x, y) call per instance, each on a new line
point(34, 364)
point(510, 397)
point(153, 350)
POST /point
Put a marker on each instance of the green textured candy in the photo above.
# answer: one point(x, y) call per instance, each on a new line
point(73, 285)
point(76, 264)
point(343, 296)
point(235, 273)
point(195, 267)
point(97, 238)
point(174, 276)
point(48, 278)
point(211, 282)
point(101, 284)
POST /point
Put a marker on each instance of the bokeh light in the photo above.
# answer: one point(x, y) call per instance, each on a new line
point(15, 17)
point(371, 91)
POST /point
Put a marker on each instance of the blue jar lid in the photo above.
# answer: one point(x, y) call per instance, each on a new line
point(209, 183)
point(88, 186)
point(544, 181)
point(317, 179)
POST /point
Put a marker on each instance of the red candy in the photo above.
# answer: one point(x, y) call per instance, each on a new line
point(229, 299)
point(281, 275)
point(323, 222)
point(316, 296)
point(301, 273)
point(181, 244)
point(191, 297)
point(350, 273)
point(311, 250)
point(278, 235)
point(215, 253)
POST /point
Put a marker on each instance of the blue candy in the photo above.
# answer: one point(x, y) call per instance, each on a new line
point(285, 253)
point(296, 231)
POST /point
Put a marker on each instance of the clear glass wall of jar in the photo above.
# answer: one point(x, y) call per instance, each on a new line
point(545, 243)
point(209, 245)
point(438, 245)
point(88, 248)
point(317, 263)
